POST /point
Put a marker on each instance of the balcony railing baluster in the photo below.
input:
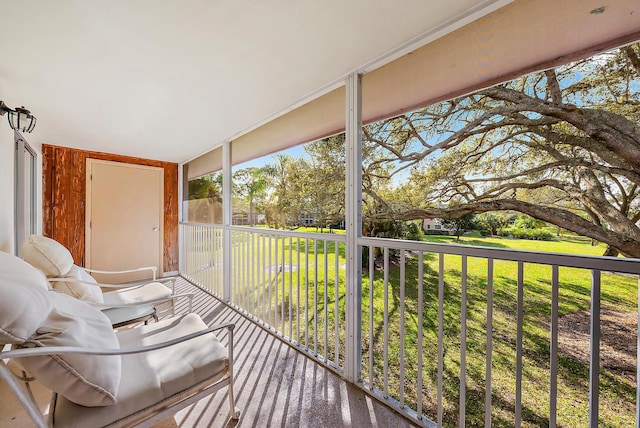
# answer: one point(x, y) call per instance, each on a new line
point(519, 338)
point(336, 305)
point(489, 347)
point(315, 297)
point(420, 331)
point(371, 309)
point(298, 270)
point(325, 279)
point(553, 390)
point(440, 409)
point(282, 271)
point(402, 328)
point(463, 343)
point(386, 323)
point(594, 356)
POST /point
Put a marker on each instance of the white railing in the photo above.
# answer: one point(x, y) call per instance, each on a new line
point(450, 335)
point(448, 287)
point(289, 282)
point(201, 256)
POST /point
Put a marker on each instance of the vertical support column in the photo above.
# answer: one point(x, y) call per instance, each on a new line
point(183, 217)
point(354, 226)
point(227, 210)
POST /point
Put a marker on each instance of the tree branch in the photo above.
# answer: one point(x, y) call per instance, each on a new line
point(556, 216)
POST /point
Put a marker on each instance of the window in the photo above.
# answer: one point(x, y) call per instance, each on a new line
point(25, 191)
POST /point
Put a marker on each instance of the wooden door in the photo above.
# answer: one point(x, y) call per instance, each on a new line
point(124, 218)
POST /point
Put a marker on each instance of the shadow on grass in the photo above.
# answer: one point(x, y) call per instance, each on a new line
point(573, 374)
point(463, 241)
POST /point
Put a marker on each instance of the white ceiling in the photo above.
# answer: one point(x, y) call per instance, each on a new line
point(172, 79)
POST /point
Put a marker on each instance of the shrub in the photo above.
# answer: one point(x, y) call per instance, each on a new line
point(436, 232)
point(520, 233)
point(485, 232)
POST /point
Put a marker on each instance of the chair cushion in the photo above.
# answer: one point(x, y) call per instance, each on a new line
point(89, 380)
point(152, 290)
point(152, 377)
point(24, 302)
point(88, 293)
point(48, 255)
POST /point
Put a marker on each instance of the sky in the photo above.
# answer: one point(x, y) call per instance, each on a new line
point(296, 152)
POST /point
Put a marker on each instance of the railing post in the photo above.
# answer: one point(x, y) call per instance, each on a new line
point(354, 226)
point(227, 210)
point(594, 356)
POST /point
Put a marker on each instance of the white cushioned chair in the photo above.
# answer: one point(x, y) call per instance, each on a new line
point(56, 262)
point(100, 377)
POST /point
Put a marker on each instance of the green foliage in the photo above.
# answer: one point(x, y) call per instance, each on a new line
point(438, 232)
point(208, 186)
point(490, 223)
point(538, 234)
point(397, 229)
point(250, 186)
point(461, 225)
point(556, 145)
point(524, 221)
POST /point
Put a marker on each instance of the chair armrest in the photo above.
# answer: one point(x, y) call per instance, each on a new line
point(99, 284)
point(58, 350)
point(153, 269)
point(142, 302)
point(173, 296)
point(138, 284)
point(117, 286)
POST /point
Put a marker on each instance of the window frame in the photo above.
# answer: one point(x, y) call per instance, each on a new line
point(25, 197)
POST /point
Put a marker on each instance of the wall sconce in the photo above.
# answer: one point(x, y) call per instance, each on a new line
point(20, 119)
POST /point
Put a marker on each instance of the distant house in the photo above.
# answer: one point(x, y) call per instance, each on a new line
point(435, 224)
point(307, 219)
point(243, 219)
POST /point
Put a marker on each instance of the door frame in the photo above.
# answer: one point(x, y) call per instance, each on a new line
point(88, 207)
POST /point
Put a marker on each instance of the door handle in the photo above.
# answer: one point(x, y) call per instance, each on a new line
point(155, 229)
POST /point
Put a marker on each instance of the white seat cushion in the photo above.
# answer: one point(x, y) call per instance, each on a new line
point(87, 292)
point(90, 380)
point(24, 299)
point(48, 255)
point(33, 316)
point(149, 378)
point(153, 290)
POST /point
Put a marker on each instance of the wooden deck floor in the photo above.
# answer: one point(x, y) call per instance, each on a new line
point(276, 385)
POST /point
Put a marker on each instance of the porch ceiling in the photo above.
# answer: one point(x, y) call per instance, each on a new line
point(170, 80)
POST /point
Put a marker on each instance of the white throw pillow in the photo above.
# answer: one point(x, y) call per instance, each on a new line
point(48, 255)
point(88, 380)
point(87, 292)
point(24, 302)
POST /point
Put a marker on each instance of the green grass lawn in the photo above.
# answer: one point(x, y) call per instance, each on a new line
point(309, 293)
point(569, 245)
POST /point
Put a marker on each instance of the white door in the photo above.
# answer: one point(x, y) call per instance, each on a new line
point(124, 216)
